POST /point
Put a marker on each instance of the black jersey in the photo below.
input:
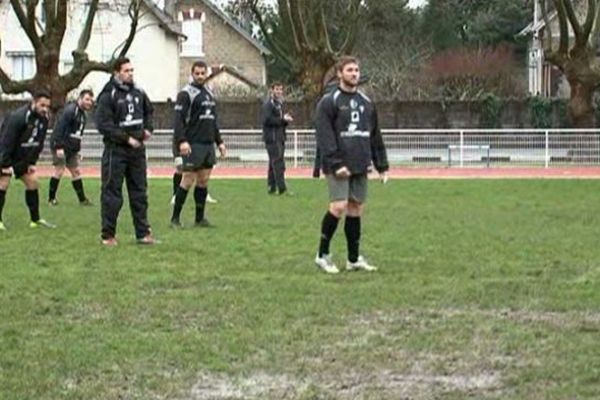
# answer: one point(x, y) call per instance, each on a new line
point(124, 110)
point(348, 133)
point(22, 137)
point(195, 117)
point(68, 130)
point(273, 122)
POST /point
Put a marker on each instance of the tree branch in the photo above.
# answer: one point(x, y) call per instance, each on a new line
point(547, 39)
point(588, 24)
point(351, 28)
point(563, 47)
point(61, 21)
point(134, 14)
point(297, 23)
point(271, 42)
point(86, 32)
point(50, 10)
point(575, 25)
point(595, 34)
point(27, 23)
point(323, 27)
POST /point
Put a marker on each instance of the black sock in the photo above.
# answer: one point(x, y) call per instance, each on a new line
point(176, 182)
point(53, 188)
point(32, 200)
point(352, 230)
point(78, 186)
point(2, 199)
point(180, 197)
point(200, 197)
point(328, 227)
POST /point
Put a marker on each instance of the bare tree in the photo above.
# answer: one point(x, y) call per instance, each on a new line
point(576, 58)
point(47, 40)
point(309, 51)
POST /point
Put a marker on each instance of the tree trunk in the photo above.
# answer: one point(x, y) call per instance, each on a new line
point(312, 74)
point(580, 108)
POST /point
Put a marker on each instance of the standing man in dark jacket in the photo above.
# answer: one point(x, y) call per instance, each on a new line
point(349, 140)
point(196, 132)
point(274, 122)
point(21, 141)
point(65, 144)
point(124, 118)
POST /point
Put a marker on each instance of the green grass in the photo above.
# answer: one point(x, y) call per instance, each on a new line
point(486, 289)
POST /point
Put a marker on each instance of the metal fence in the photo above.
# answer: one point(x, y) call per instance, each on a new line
point(406, 147)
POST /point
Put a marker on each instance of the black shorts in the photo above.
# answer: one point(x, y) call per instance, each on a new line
point(203, 156)
point(70, 160)
point(20, 169)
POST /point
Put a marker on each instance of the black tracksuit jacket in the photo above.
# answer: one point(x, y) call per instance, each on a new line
point(348, 133)
point(22, 137)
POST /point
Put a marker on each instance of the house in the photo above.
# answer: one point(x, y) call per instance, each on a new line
point(544, 78)
point(171, 36)
point(212, 36)
point(111, 27)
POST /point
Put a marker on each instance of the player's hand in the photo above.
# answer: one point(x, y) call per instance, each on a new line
point(185, 149)
point(147, 135)
point(31, 169)
point(288, 117)
point(384, 176)
point(60, 153)
point(223, 150)
point(133, 142)
point(8, 171)
point(342, 173)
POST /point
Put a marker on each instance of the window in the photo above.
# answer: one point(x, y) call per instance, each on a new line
point(23, 65)
point(193, 46)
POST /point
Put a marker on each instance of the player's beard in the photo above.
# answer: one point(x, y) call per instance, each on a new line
point(350, 84)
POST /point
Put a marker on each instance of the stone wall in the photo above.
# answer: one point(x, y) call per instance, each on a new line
point(401, 114)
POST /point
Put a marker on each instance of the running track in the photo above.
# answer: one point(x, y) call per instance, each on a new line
point(396, 173)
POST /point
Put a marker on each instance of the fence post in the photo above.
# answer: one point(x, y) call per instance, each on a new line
point(547, 145)
point(295, 149)
point(462, 144)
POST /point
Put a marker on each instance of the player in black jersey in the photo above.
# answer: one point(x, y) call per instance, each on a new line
point(349, 141)
point(65, 144)
point(21, 141)
point(124, 118)
point(196, 132)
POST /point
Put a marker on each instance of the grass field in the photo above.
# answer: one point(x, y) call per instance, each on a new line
point(487, 289)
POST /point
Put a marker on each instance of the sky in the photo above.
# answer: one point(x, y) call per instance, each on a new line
point(416, 3)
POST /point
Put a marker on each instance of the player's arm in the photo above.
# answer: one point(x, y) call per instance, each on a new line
point(148, 115)
point(105, 120)
point(219, 138)
point(327, 143)
point(378, 152)
point(61, 129)
point(9, 140)
point(41, 138)
point(180, 112)
point(270, 116)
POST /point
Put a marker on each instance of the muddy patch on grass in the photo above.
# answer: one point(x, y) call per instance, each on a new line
point(350, 385)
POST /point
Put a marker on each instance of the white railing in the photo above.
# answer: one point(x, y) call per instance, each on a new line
point(405, 147)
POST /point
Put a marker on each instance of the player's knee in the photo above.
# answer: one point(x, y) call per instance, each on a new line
point(58, 172)
point(355, 209)
point(75, 172)
point(187, 181)
point(338, 208)
point(31, 183)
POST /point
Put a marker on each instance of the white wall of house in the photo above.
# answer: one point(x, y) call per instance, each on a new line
point(154, 53)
